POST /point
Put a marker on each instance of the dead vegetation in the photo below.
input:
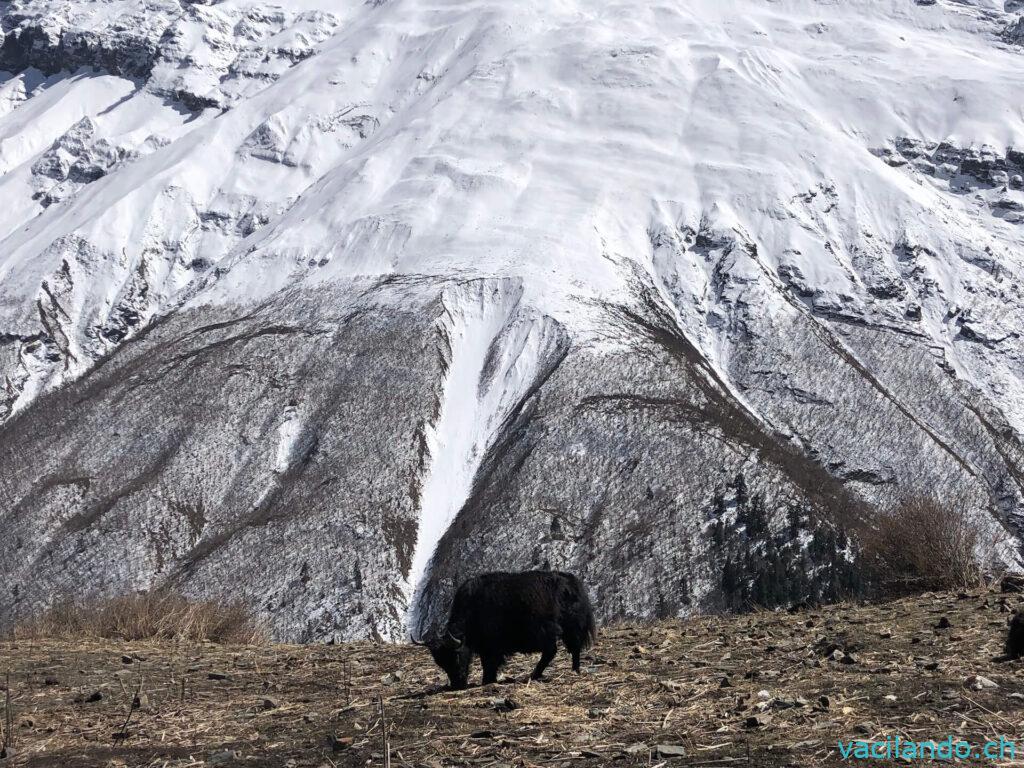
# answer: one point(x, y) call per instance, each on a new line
point(922, 544)
point(764, 689)
point(145, 616)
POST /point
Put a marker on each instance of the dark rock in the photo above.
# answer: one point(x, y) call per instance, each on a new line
point(503, 704)
point(223, 757)
point(339, 743)
point(758, 721)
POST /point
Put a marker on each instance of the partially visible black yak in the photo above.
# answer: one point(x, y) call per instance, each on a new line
point(1015, 637)
point(496, 615)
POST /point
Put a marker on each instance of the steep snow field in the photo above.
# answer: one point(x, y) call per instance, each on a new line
point(821, 203)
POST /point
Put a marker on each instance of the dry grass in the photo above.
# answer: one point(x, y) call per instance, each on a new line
point(151, 615)
point(922, 544)
point(646, 692)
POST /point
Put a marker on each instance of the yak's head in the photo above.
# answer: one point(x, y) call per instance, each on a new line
point(453, 656)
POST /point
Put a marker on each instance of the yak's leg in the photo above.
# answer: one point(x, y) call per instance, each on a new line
point(575, 659)
point(491, 665)
point(545, 659)
point(574, 645)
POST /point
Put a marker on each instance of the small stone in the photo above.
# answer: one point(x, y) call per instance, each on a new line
point(758, 721)
point(503, 704)
point(785, 702)
point(339, 743)
point(223, 757)
point(269, 704)
point(978, 683)
point(636, 749)
point(889, 699)
point(670, 750)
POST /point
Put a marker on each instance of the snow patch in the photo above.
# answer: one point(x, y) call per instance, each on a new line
point(290, 438)
point(493, 352)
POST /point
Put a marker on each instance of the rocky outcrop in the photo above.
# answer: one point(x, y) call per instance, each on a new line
point(75, 159)
point(203, 56)
point(996, 177)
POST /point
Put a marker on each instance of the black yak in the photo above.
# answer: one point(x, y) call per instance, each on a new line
point(496, 615)
point(1015, 637)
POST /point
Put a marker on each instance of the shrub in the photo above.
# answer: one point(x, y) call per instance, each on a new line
point(921, 544)
point(151, 615)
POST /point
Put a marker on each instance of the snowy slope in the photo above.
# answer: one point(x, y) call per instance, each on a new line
point(578, 265)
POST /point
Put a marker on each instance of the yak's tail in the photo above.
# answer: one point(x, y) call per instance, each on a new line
point(578, 614)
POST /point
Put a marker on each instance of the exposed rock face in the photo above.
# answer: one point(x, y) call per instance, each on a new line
point(201, 55)
point(1014, 32)
point(981, 172)
point(331, 307)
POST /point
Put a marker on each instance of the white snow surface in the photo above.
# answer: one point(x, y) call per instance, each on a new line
point(539, 144)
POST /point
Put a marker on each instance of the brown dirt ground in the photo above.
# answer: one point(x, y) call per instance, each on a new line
point(643, 688)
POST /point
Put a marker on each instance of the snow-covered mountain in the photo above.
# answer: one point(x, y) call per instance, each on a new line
point(330, 304)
